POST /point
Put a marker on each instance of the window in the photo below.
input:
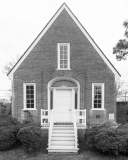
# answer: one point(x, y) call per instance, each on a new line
point(63, 56)
point(29, 96)
point(97, 96)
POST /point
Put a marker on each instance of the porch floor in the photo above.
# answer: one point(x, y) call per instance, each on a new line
point(79, 125)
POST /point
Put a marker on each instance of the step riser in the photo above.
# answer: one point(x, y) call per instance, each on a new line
point(69, 129)
point(62, 139)
point(63, 143)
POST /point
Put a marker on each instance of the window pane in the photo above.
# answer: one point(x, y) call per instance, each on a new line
point(61, 52)
point(95, 105)
point(28, 105)
point(99, 96)
point(65, 66)
point(95, 97)
point(65, 48)
point(65, 52)
point(61, 48)
point(31, 87)
point(32, 105)
point(32, 96)
point(28, 96)
point(95, 101)
point(61, 62)
point(31, 91)
point(65, 56)
point(61, 66)
point(27, 91)
point(61, 56)
point(99, 105)
point(99, 101)
point(27, 87)
point(32, 101)
point(65, 61)
point(28, 101)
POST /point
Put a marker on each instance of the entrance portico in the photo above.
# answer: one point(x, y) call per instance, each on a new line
point(63, 97)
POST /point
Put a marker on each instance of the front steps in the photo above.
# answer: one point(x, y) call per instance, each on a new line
point(63, 139)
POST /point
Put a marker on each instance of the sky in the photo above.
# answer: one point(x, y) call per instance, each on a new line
point(22, 20)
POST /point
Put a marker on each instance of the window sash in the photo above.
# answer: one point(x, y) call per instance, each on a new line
point(98, 96)
point(63, 56)
point(29, 96)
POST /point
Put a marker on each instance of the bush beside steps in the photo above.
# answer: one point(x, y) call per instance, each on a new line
point(30, 137)
point(108, 138)
point(12, 132)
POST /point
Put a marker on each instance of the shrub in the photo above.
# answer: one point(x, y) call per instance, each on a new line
point(30, 137)
point(109, 124)
point(122, 138)
point(106, 141)
point(7, 120)
point(7, 137)
point(123, 126)
point(89, 137)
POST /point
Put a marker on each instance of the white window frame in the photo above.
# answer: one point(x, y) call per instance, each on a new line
point(102, 105)
point(58, 50)
point(24, 96)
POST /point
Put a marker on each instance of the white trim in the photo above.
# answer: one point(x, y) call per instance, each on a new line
point(24, 96)
point(64, 6)
point(102, 85)
point(63, 78)
point(58, 55)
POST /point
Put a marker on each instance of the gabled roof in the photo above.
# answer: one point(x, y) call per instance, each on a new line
point(64, 6)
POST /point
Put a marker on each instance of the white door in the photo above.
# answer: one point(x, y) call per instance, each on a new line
point(63, 106)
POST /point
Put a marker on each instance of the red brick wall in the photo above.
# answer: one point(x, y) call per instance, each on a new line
point(40, 66)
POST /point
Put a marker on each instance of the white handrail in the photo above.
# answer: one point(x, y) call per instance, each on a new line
point(50, 128)
point(75, 129)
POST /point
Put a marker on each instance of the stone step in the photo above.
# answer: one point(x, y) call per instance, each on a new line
point(63, 135)
point(63, 128)
point(63, 131)
point(62, 143)
point(66, 138)
point(63, 147)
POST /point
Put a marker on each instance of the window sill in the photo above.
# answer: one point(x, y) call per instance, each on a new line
point(101, 109)
point(29, 109)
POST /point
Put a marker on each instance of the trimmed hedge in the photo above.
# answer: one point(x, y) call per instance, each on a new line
point(30, 137)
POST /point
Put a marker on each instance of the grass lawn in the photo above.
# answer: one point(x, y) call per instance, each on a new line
point(18, 154)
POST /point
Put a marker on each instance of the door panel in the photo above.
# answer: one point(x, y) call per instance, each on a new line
point(63, 105)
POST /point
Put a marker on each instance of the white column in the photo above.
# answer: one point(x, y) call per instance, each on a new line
point(54, 103)
point(73, 102)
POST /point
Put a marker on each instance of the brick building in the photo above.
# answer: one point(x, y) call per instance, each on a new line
point(65, 71)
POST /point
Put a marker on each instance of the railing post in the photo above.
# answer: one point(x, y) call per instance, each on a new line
point(50, 128)
point(41, 117)
point(85, 117)
point(75, 129)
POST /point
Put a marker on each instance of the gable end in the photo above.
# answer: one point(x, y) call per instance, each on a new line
point(64, 6)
